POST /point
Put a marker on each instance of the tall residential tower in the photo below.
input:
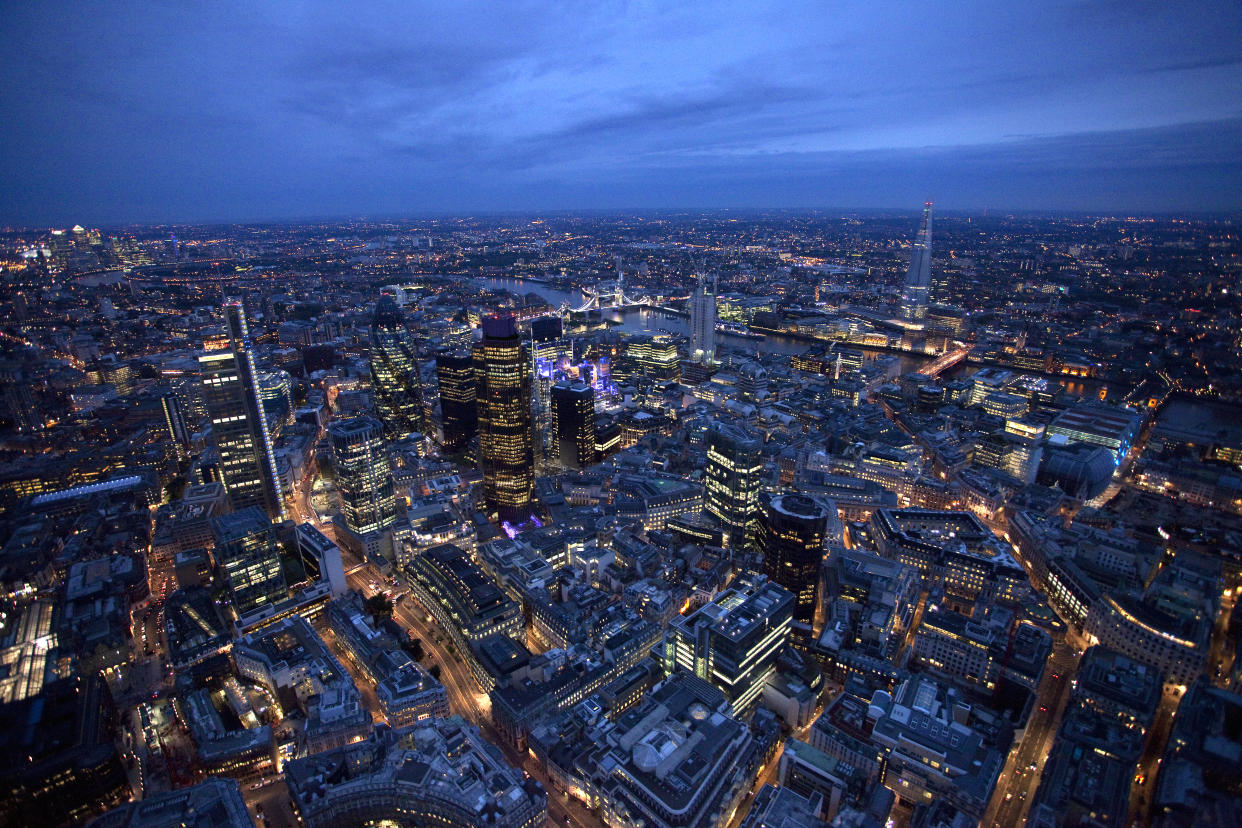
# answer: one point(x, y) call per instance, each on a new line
point(703, 322)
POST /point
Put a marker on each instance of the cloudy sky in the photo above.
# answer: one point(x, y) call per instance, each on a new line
point(190, 111)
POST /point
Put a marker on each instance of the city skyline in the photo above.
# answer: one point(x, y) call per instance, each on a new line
point(260, 114)
point(537, 415)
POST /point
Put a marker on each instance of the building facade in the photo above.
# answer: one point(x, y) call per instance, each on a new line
point(506, 438)
point(238, 421)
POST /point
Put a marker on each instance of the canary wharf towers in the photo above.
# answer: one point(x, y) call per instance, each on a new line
point(506, 445)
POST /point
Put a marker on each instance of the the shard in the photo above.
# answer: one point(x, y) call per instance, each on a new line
point(917, 290)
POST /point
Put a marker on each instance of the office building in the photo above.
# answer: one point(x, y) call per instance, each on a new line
point(548, 342)
point(506, 440)
point(573, 422)
point(292, 662)
point(1098, 425)
point(792, 535)
point(464, 600)
point(238, 421)
point(703, 322)
point(733, 642)
point(931, 750)
point(363, 474)
point(211, 803)
point(248, 554)
point(276, 396)
point(395, 381)
point(656, 357)
point(440, 772)
point(174, 421)
point(64, 765)
point(405, 691)
point(916, 293)
point(459, 415)
point(734, 465)
point(678, 759)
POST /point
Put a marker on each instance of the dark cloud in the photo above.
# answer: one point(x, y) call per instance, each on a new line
point(198, 110)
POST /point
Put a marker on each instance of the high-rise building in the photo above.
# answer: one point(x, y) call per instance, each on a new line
point(573, 421)
point(734, 465)
point(734, 641)
point(174, 420)
point(248, 553)
point(363, 474)
point(459, 415)
point(916, 294)
point(395, 381)
point(656, 356)
point(548, 341)
point(792, 535)
point(703, 322)
point(238, 422)
point(276, 394)
point(550, 353)
point(506, 441)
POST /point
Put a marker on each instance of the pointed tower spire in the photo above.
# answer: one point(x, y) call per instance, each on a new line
point(916, 293)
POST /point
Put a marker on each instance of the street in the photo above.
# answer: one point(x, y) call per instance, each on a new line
point(1017, 782)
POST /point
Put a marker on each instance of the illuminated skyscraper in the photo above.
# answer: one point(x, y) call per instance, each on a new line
point(792, 536)
point(395, 381)
point(238, 423)
point(459, 413)
point(734, 465)
point(703, 322)
point(506, 450)
point(363, 474)
point(573, 420)
point(249, 555)
point(916, 294)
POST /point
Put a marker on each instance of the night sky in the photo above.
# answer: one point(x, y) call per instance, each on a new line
point(188, 111)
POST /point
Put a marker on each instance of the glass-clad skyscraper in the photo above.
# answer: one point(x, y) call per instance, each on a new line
point(792, 535)
point(238, 422)
point(916, 294)
point(395, 382)
point(734, 466)
point(459, 415)
point(363, 474)
point(249, 555)
point(573, 422)
point(506, 444)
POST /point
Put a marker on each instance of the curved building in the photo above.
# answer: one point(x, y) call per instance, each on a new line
point(440, 772)
point(506, 438)
point(792, 534)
